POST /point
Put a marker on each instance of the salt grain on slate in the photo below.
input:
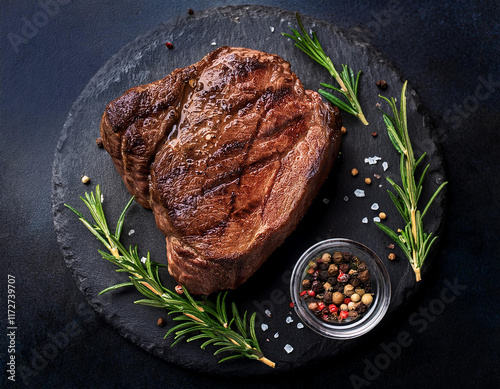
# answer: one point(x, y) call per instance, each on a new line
point(213, 43)
point(144, 259)
point(288, 348)
point(272, 29)
point(102, 198)
point(372, 160)
point(385, 165)
point(359, 193)
point(267, 312)
point(365, 220)
point(300, 326)
point(131, 232)
point(376, 219)
point(276, 335)
point(326, 201)
point(374, 206)
point(346, 198)
point(264, 327)
point(289, 319)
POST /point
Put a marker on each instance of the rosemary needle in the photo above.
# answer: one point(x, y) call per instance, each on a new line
point(347, 80)
point(412, 239)
point(202, 319)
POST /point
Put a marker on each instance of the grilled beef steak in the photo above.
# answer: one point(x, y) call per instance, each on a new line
point(228, 153)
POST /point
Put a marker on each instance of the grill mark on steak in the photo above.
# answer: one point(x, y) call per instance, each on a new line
point(229, 162)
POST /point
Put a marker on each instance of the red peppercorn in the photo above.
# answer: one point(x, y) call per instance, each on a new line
point(169, 45)
point(178, 289)
point(321, 305)
point(347, 300)
point(291, 304)
point(303, 293)
point(333, 308)
point(344, 314)
point(311, 293)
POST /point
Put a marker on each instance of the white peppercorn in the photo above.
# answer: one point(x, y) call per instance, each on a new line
point(367, 299)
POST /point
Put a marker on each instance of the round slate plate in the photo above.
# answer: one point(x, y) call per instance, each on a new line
point(336, 212)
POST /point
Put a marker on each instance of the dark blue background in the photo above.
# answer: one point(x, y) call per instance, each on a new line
point(442, 48)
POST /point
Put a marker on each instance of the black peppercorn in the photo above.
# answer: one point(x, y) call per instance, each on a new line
point(323, 266)
point(364, 276)
point(362, 266)
point(368, 287)
point(332, 280)
point(327, 297)
point(337, 257)
point(338, 288)
point(361, 308)
point(306, 284)
point(344, 268)
point(161, 322)
point(382, 84)
point(316, 287)
point(355, 281)
point(346, 256)
point(323, 275)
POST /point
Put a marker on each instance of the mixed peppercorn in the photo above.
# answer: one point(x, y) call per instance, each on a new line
point(337, 287)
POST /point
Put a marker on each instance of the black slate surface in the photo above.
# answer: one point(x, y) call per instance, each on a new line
point(448, 50)
point(145, 60)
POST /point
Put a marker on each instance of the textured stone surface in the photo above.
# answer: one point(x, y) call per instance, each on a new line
point(146, 59)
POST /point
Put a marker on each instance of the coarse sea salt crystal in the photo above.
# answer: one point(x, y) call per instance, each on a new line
point(272, 29)
point(288, 348)
point(374, 206)
point(131, 232)
point(372, 160)
point(376, 219)
point(359, 193)
point(300, 326)
point(276, 335)
point(267, 312)
point(365, 220)
point(326, 201)
point(264, 327)
point(346, 198)
point(144, 259)
point(289, 319)
point(385, 165)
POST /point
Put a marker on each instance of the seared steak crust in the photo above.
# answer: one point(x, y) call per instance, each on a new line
point(229, 153)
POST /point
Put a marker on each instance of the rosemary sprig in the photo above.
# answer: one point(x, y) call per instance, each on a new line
point(346, 79)
point(414, 242)
point(199, 319)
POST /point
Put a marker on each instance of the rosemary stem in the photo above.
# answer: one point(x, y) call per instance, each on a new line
point(413, 225)
point(267, 362)
point(361, 117)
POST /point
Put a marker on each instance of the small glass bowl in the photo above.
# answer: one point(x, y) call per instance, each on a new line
point(379, 278)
